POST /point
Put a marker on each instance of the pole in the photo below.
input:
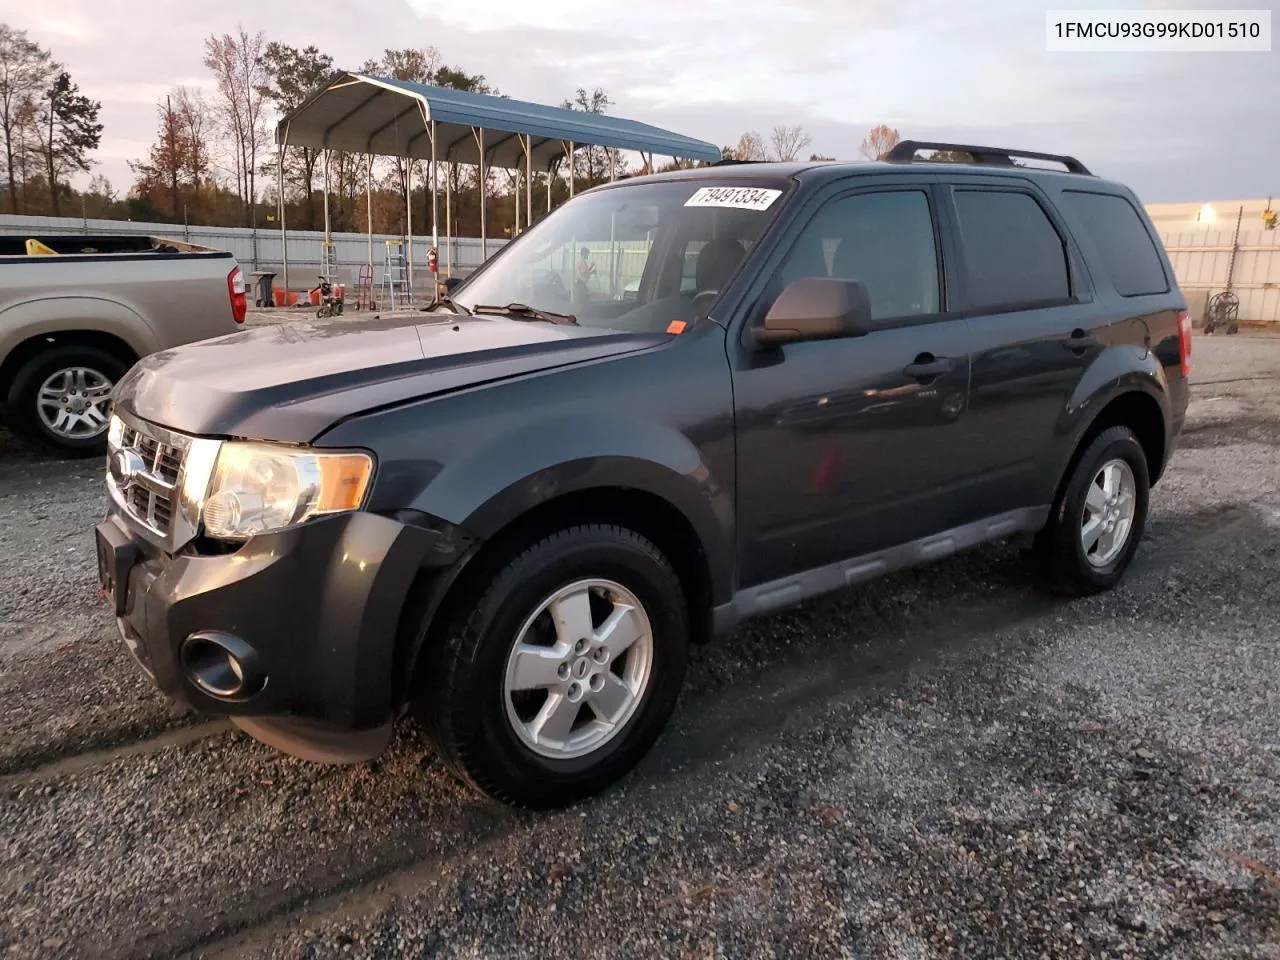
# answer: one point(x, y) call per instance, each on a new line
point(368, 207)
point(448, 214)
point(1235, 248)
point(484, 239)
point(613, 167)
point(284, 239)
point(435, 187)
point(327, 236)
point(528, 180)
point(408, 228)
point(572, 146)
point(548, 188)
point(515, 231)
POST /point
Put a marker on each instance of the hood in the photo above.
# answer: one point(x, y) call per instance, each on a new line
point(292, 381)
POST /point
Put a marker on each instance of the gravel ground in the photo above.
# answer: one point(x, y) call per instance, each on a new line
point(943, 763)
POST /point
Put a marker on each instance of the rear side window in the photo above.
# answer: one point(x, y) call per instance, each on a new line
point(1128, 255)
point(1013, 255)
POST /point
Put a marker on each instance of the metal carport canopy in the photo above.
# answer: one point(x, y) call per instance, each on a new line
point(376, 115)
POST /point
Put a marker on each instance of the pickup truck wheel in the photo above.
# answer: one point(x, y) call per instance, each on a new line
point(564, 674)
point(62, 398)
point(1097, 523)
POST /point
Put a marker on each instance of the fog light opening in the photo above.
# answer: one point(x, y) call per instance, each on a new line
point(221, 665)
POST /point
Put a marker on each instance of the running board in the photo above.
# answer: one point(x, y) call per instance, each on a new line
point(787, 591)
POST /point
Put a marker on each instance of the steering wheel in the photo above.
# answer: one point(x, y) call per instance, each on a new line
point(703, 299)
point(551, 281)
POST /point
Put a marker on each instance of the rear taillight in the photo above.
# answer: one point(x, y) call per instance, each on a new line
point(1184, 342)
point(236, 291)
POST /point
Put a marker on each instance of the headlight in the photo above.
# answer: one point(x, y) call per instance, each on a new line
point(115, 432)
point(259, 487)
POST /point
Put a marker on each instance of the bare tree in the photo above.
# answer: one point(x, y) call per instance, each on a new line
point(26, 69)
point(593, 162)
point(750, 146)
point(162, 171)
point(242, 75)
point(416, 65)
point(879, 142)
point(788, 142)
point(197, 122)
point(295, 75)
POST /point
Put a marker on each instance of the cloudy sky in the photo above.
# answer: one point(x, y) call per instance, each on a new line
point(1174, 126)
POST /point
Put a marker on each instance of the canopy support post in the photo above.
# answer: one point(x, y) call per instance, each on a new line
point(408, 228)
point(484, 238)
point(284, 237)
point(515, 230)
point(528, 180)
point(572, 147)
point(435, 190)
point(328, 236)
point(613, 166)
point(368, 208)
point(448, 214)
point(548, 187)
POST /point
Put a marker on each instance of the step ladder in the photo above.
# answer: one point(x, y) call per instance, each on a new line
point(364, 288)
point(397, 288)
point(329, 261)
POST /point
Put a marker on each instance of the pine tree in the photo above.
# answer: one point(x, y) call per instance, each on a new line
point(68, 130)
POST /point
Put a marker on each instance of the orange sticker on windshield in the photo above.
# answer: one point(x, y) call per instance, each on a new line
point(676, 326)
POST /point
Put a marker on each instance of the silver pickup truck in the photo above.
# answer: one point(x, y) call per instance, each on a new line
point(76, 312)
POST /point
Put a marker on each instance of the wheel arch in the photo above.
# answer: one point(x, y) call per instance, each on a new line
point(26, 350)
point(437, 597)
point(1135, 407)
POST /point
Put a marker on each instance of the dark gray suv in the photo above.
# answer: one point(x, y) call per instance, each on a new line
point(511, 513)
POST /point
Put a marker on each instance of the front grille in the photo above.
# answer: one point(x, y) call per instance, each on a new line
point(166, 461)
point(148, 495)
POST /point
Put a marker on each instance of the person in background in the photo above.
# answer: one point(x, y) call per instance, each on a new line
point(584, 272)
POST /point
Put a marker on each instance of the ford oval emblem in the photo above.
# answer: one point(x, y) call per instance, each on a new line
point(123, 466)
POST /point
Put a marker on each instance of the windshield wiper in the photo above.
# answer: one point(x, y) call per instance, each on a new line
point(522, 311)
point(444, 301)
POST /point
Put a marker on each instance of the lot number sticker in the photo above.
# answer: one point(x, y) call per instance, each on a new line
point(739, 198)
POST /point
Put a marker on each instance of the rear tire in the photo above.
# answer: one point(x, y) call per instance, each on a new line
point(525, 717)
point(1094, 532)
point(48, 393)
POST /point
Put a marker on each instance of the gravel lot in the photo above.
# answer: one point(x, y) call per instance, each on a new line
point(943, 763)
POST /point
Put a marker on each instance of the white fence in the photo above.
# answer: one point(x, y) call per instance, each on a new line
point(260, 249)
point(1202, 259)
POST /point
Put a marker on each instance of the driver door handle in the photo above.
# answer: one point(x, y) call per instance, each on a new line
point(927, 366)
point(1080, 340)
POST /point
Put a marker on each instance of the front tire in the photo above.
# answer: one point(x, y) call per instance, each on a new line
point(1098, 521)
point(561, 678)
point(61, 398)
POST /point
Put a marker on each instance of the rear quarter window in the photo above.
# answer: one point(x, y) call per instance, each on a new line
point(1013, 255)
point(1123, 243)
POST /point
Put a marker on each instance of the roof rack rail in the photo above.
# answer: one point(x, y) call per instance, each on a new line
point(733, 162)
point(905, 152)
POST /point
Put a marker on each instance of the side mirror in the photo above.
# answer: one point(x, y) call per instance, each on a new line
point(451, 284)
point(816, 308)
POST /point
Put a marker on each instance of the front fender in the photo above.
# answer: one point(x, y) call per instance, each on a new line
point(516, 471)
point(50, 315)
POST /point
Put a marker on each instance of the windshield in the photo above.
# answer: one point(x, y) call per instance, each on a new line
point(634, 257)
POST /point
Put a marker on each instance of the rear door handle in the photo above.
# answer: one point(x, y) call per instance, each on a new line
point(927, 366)
point(1079, 340)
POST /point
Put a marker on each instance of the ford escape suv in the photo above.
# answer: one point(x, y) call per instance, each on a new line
point(512, 512)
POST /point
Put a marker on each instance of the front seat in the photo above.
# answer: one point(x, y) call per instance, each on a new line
point(716, 263)
point(889, 264)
